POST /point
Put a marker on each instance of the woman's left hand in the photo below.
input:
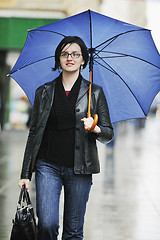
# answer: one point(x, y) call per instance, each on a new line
point(88, 123)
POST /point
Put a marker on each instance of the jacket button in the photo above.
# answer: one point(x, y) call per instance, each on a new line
point(77, 110)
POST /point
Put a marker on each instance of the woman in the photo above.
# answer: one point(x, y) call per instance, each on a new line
point(59, 148)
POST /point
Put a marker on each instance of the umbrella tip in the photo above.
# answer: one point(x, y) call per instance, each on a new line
point(8, 74)
point(146, 117)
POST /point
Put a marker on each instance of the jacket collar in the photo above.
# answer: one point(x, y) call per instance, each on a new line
point(49, 89)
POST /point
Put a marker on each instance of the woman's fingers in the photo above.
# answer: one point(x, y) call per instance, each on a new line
point(87, 122)
point(24, 182)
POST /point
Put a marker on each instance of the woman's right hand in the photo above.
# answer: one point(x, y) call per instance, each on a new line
point(24, 182)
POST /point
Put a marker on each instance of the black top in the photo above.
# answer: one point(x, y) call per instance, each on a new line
point(58, 141)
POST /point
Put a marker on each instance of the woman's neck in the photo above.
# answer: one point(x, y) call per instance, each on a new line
point(68, 79)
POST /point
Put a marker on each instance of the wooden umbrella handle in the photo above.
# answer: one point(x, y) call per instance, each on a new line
point(89, 107)
point(94, 122)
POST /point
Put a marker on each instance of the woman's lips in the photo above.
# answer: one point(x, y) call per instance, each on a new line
point(69, 64)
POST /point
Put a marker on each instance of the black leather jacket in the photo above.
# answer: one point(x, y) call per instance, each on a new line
point(86, 157)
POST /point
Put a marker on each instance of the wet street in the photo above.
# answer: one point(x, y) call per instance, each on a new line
point(124, 203)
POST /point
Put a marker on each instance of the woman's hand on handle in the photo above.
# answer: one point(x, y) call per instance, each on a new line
point(88, 123)
point(24, 182)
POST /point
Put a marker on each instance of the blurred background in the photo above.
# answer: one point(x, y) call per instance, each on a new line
point(125, 200)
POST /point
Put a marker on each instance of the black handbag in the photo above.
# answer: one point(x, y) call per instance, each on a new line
point(24, 223)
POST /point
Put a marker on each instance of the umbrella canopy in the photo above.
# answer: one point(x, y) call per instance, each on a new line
point(125, 61)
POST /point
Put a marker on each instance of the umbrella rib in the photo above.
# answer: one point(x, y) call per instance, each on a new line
point(110, 68)
point(113, 57)
point(113, 71)
point(32, 63)
point(106, 67)
point(36, 30)
point(126, 55)
point(111, 40)
point(115, 37)
point(118, 53)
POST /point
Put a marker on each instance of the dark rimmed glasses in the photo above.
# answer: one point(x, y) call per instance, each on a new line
point(73, 55)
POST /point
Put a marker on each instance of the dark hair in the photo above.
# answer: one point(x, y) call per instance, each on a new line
point(70, 40)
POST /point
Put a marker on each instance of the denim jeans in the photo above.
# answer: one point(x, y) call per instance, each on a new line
point(50, 178)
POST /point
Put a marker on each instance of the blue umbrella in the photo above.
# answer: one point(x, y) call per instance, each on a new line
point(123, 58)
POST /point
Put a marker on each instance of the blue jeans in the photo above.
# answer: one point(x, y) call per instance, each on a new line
point(50, 177)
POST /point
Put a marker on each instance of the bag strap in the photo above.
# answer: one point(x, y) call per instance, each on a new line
point(21, 194)
point(25, 195)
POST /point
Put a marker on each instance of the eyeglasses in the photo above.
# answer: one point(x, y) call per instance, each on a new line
point(73, 55)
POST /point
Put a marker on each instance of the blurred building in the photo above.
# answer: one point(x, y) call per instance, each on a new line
point(131, 11)
point(16, 17)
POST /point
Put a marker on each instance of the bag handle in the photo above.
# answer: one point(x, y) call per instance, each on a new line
point(21, 194)
point(25, 196)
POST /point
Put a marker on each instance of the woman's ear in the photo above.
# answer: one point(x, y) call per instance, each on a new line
point(83, 62)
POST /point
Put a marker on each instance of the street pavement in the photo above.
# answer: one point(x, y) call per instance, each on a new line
point(124, 203)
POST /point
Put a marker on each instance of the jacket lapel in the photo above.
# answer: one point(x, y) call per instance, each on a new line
point(49, 90)
point(83, 89)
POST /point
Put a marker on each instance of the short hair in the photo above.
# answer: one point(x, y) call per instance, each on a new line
point(70, 40)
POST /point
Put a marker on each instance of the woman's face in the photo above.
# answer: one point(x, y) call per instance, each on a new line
point(71, 58)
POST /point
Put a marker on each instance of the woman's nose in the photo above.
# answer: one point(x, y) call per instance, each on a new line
point(69, 57)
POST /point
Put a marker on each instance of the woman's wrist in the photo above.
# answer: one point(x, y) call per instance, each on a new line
point(97, 129)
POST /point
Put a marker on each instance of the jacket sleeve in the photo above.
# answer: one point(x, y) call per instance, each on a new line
point(104, 121)
point(26, 171)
